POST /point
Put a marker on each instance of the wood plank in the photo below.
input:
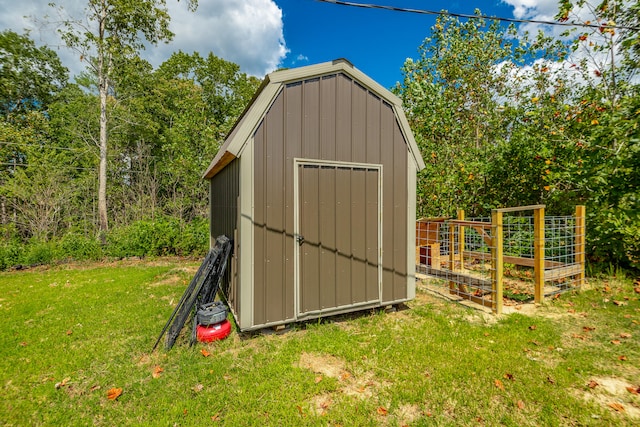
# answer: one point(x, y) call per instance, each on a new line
point(457, 278)
point(562, 272)
point(525, 262)
point(520, 208)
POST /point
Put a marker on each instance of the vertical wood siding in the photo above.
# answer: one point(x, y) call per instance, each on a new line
point(223, 205)
point(327, 118)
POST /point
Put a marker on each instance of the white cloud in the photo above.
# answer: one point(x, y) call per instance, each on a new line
point(247, 32)
point(546, 10)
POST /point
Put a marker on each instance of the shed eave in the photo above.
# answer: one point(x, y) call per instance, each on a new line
point(245, 126)
point(222, 159)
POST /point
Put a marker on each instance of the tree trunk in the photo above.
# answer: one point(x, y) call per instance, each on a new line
point(102, 169)
point(103, 88)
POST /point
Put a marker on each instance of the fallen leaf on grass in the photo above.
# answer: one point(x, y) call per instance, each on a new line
point(615, 342)
point(216, 417)
point(62, 383)
point(114, 393)
point(345, 375)
point(551, 380)
point(198, 388)
point(520, 404)
point(69, 332)
point(578, 336)
point(382, 411)
point(95, 387)
point(619, 303)
point(498, 384)
point(588, 328)
point(616, 406)
point(318, 379)
point(593, 384)
point(625, 335)
point(622, 358)
point(300, 411)
point(533, 327)
point(204, 352)
point(637, 289)
point(633, 390)
point(157, 371)
point(509, 376)
point(23, 344)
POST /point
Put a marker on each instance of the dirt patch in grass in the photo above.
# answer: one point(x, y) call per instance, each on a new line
point(613, 394)
point(324, 364)
point(407, 414)
point(362, 385)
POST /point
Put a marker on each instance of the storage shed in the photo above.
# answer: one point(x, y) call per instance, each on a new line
point(316, 185)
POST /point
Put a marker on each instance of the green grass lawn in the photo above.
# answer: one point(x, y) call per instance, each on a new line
point(72, 333)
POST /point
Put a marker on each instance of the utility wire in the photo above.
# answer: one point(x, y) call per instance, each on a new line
point(468, 16)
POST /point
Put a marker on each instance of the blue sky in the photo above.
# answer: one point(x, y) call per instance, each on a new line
point(375, 41)
point(264, 35)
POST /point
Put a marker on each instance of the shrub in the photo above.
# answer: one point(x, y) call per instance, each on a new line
point(194, 238)
point(11, 253)
point(79, 247)
point(38, 252)
point(144, 238)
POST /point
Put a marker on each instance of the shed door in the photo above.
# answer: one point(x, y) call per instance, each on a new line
point(338, 236)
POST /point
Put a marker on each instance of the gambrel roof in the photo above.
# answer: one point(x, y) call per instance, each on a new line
point(273, 83)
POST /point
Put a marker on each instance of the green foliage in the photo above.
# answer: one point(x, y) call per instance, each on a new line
point(166, 126)
point(31, 76)
point(158, 237)
point(80, 247)
point(506, 120)
point(39, 252)
point(11, 254)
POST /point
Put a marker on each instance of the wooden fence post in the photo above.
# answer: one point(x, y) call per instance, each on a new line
point(497, 260)
point(580, 232)
point(461, 239)
point(538, 254)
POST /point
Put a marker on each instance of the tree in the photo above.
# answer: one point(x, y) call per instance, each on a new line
point(30, 76)
point(461, 97)
point(41, 186)
point(112, 31)
point(177, 117)
point(537, 120)
point(30, 80)
point(608, 136)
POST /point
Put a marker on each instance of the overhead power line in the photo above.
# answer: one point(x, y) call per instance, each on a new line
point(468, 16)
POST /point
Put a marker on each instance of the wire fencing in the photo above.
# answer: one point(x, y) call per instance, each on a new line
point(508, 258)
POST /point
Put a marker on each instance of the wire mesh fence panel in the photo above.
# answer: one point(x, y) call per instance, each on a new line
point(461, 254)
point(564, 253)
point(458, 253)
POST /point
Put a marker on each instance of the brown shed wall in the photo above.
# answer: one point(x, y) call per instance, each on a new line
point(328, 118)
point(224, 193)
